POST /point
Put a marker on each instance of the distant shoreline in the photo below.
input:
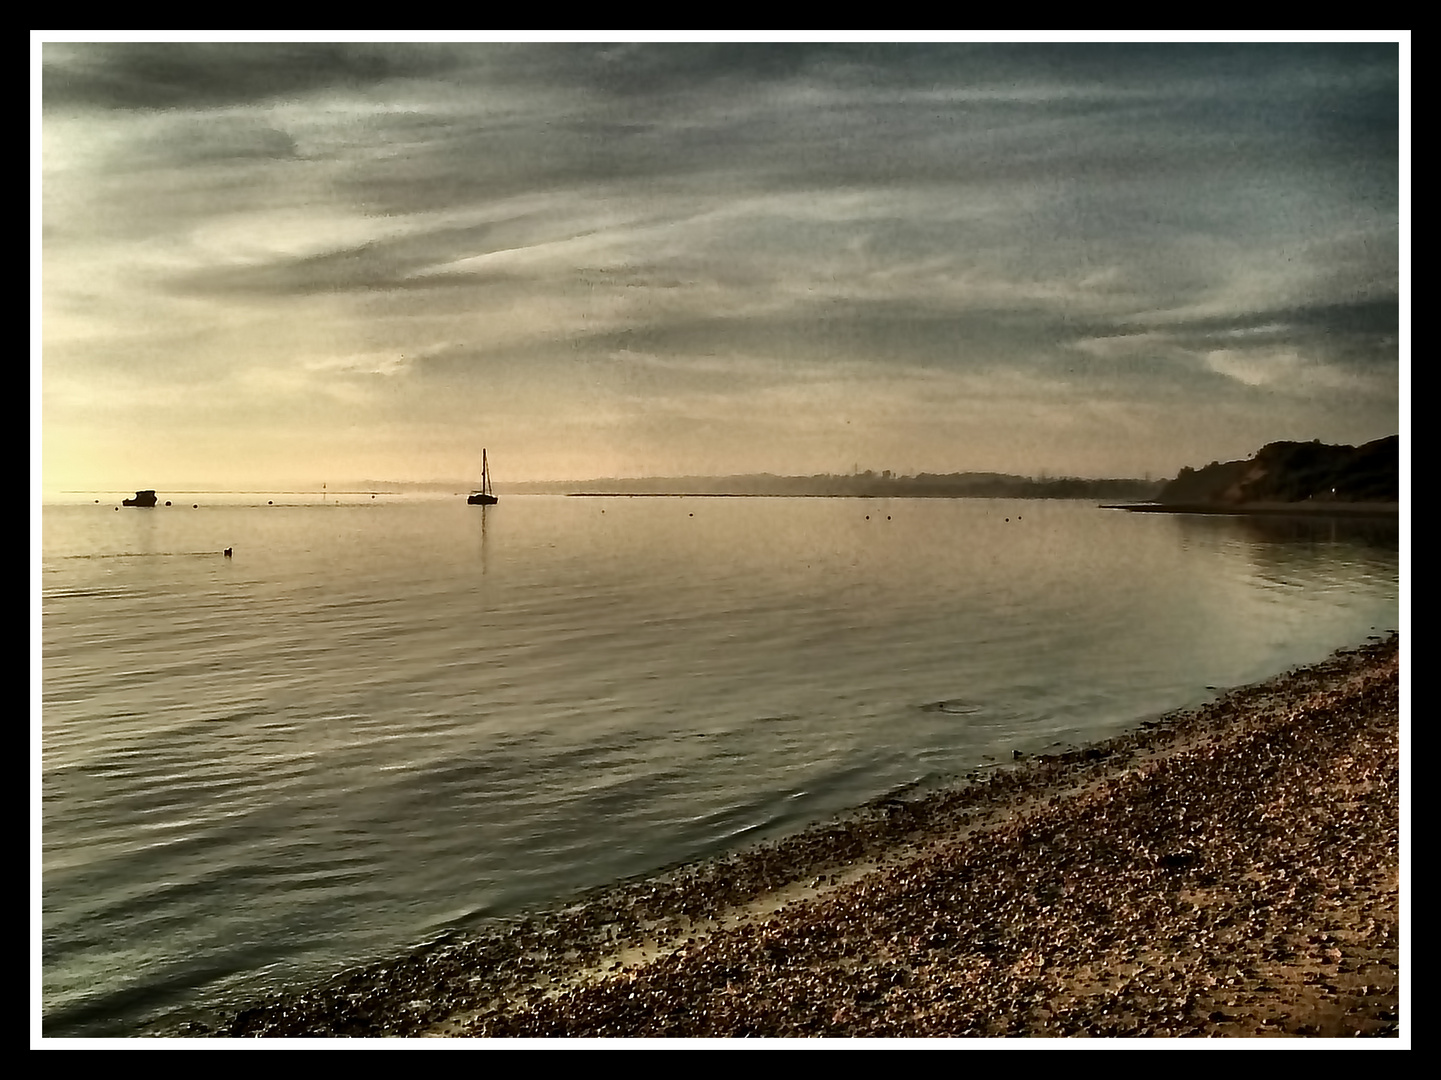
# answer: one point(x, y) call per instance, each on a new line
point(1302, 509)
point(808, 495)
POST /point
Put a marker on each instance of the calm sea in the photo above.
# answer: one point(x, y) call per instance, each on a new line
point(384, 718)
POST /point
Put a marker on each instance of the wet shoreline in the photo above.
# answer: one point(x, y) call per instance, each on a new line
point(1231, 870)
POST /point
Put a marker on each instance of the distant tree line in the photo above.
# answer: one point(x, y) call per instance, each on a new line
point(870, 484)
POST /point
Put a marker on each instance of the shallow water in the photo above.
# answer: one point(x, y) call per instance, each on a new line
point(386, 717)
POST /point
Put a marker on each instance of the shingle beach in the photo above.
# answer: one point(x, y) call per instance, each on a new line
point(1230, 871)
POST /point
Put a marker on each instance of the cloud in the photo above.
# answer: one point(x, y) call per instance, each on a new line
point(165, 75)
point(780, 233)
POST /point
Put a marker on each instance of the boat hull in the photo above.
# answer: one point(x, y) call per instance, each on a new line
point(481, 499)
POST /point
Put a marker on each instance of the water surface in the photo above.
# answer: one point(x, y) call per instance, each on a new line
point(386, 717)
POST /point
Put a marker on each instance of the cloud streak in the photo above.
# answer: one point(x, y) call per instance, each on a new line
point(659, 258)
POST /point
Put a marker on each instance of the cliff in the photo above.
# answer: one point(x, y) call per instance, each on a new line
point(1293, 472)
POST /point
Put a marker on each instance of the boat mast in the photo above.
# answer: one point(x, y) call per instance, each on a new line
point(484, 473)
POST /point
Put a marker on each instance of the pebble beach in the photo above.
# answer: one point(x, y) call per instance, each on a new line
point(1230, 871)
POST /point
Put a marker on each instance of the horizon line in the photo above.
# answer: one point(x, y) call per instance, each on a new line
point(867, 474)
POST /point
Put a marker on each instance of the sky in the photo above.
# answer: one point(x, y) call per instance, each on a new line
point(280, 263)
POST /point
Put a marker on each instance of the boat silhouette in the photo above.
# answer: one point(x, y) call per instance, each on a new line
point(142, 498)
point(483, 497)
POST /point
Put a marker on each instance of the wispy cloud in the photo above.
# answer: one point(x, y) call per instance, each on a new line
point(671, 254)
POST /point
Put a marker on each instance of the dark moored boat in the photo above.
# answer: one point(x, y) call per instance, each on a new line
point(483, 497)
point(142, 498)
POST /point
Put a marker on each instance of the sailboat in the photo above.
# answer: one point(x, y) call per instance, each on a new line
point(483, 497)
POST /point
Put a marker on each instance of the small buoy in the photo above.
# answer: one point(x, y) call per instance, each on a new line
point(167, 502)
point(271, 503)
point(195, 506)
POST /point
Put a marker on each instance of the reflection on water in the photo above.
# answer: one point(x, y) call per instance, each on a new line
point(484, 558)
point(382, 718)
point(1325, 564)
point(1378, 533)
